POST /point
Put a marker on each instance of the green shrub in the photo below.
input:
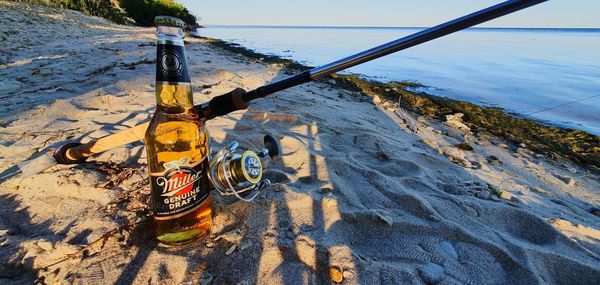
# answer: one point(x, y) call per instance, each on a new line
point(144, 11)
point(140, 12)
point(108, 9)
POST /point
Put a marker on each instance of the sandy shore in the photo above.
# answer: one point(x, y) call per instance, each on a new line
point(360, 197)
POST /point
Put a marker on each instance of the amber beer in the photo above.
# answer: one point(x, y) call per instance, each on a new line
point(177, 146)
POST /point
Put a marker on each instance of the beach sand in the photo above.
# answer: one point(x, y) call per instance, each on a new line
point(358, 196)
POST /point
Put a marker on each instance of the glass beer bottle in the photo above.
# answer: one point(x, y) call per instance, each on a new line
point(177, 146)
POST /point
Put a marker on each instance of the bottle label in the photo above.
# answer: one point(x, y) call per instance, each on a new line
point(171, 67)
point(180, 189)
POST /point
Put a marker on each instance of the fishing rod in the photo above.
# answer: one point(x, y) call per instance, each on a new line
point(239, 99)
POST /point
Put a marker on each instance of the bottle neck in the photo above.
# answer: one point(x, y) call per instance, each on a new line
point(173, 87)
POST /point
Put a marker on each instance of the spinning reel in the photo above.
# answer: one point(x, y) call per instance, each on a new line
point(232, 173)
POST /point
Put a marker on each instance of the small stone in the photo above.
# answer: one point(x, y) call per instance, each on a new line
point(387, 90)
point(540, 190)
point(4, 243)
point(45, 245)
point(457, 124)
point(493, 160)
point(524, 152)
point(503, 145)
point(561, 223)
point(572, 170)
point(4, 233)
point(382, 156)
point(278, 187)
point(454, 189)
point(464, 146)
point(537, 155)
point(231, 250)
point(325, 189)
point(452, 152)
point(484, 195)
point(383, 216)
point(376, 100)
point(126, 237)
point(206, 279)
point(431, 143)
point(523, 145)
point(203, 266)
point(245, 245)
point(209, 245)
point(505, 195)
point(431, 273)
point(461, 161)
point(448, 249)
point(567, 180)
point(336, 274)
point(29, 258)
point(329, 201)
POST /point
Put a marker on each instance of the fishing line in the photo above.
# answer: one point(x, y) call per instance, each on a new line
point(560, 105)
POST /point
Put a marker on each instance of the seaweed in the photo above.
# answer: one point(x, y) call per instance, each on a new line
point(576, 145)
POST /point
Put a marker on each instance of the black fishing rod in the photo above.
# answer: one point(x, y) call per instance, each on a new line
point(239, 99)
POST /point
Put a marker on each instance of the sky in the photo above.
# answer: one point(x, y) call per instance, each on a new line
point(387, 13)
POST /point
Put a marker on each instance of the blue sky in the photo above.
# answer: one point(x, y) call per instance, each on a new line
point(554, 13)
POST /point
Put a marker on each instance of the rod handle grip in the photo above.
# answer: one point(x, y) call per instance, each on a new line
point(223, 104)
point(62, 157)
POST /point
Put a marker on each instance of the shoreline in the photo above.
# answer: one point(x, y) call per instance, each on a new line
point(577, 145)
point(572, 29)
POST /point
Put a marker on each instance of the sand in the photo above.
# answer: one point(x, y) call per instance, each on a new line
point(359, 197)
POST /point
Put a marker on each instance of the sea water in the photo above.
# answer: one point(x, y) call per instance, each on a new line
point(552, 75)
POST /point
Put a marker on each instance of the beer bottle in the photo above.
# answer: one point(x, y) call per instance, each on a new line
point(177, 146)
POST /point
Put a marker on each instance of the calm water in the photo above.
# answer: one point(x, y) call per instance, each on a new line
point(548, 74)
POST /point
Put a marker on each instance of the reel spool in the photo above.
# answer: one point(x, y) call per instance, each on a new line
point(233, 174)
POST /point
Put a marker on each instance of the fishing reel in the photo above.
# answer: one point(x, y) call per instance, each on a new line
point(234, 174)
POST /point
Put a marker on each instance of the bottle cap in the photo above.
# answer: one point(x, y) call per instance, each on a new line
point(168, 21)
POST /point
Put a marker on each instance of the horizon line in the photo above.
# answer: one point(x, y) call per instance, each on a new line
point(394, 27)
